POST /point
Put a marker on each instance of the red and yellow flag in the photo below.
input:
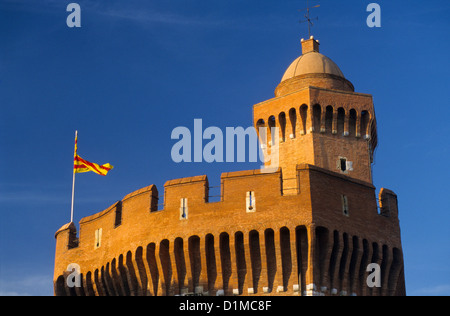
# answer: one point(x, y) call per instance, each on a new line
point(81, 165)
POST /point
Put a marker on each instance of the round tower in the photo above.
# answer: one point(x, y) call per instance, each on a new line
point(321, 120)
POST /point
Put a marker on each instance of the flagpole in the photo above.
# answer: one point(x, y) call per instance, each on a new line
point(73, 180)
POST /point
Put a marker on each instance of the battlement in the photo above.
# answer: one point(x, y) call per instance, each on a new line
point(250, 201)
point(266, 189)
point(143, 203)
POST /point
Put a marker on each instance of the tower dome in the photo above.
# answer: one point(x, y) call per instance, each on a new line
point(312, 63)
point(312, 69)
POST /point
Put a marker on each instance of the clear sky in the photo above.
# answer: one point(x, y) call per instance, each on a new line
point(135, 70)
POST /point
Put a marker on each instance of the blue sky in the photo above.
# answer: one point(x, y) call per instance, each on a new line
point(135, 70)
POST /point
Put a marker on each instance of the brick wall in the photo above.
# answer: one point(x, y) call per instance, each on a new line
point(221, 247)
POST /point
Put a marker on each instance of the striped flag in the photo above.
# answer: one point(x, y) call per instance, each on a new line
point(81, 165)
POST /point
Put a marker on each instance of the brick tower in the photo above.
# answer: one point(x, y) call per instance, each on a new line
point(311, 227)
point(321, 120)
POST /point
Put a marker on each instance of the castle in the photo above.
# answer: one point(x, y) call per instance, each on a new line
point(311, 228)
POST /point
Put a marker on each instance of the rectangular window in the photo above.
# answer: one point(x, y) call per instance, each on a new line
point(345, 205)
point(343, 164)
point(250, 202)
point(118, 220)
point(183, 209)
point(98, 238)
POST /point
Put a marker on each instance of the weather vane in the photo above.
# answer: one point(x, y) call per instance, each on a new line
point(308, 18)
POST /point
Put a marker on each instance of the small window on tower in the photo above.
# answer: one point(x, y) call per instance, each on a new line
point(184, 209)
point(98, 238)
point(343, 164)
point(250, 202)
point(118, 220)
point(345, 205)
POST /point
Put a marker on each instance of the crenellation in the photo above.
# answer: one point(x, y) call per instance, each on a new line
point(388, 203)
point(135, 208)
point(195, 189)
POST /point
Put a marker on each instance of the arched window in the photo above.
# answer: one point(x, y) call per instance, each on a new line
point(260, 123)
point(329, 119)
point(293, 119)
point(272, 130)
point(303, 116)
point(341, 121)
point(282, 121)
point(352, 123)
point(317, 113)
point(365, 118)
point(262, 135)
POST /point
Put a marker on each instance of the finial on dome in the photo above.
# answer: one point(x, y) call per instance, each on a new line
point(311, 45)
